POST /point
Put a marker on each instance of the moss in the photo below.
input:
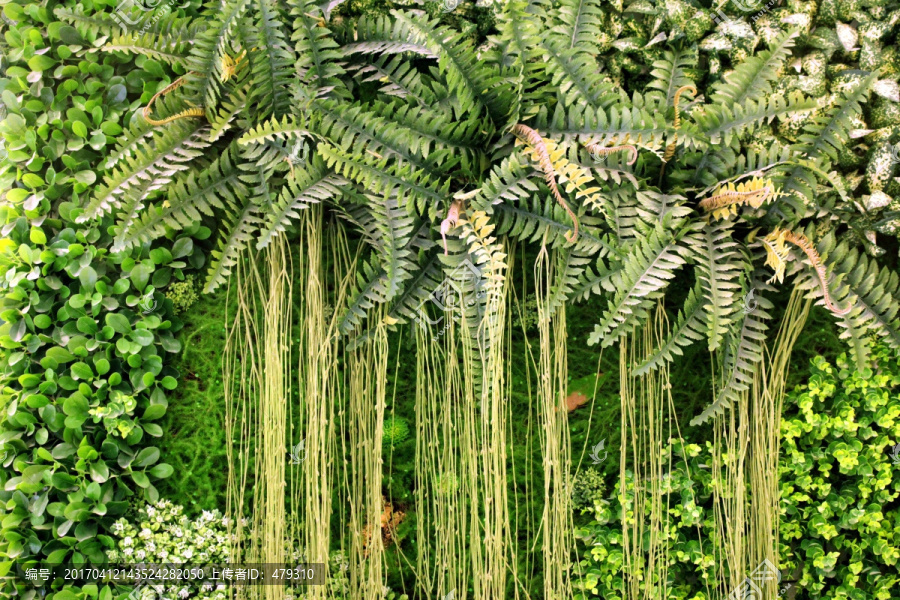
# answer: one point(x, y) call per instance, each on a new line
point(527, 316)
point(396, 430)
point(194, 425)
point(183, 294)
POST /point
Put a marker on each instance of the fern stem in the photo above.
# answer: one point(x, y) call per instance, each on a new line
point(802, 242)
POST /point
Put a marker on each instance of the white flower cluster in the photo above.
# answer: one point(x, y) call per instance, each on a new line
point(164, 535)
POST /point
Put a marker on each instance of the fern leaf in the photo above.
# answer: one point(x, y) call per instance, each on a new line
point(306, 186)
point(752, 79)
point(380, 35)
point(669, 73)
point(318, 56)
point(719, 265)
point(238, 230)
point(475, 85)
point(188, 199)
point(645, 273)
point(745, 353)
point(271, 64)
point(168, 150)
point(688, 329)
point(414, 188)
point(206, 59)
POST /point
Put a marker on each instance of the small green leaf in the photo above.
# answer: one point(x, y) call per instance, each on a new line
point(79, 129)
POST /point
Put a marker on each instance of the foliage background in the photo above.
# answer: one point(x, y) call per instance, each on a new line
point(75, 338)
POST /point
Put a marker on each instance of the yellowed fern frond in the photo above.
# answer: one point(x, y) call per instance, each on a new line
point(776, 255)
point(726, 198)
point(540, 153)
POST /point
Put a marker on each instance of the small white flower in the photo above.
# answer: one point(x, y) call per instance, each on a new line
point(127, 541)
point(140, 555)
point(183, 593)
point(187, 553)
point(145, 533)
point(128, 551)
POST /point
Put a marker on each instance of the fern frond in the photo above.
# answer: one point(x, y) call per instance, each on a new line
point(271, 63)
point(168, 150)
point(474, 85)
point(752, 79)
point(318, 55)
point(373, 284)
point(687, 330)
point(571, 263)
point(437, 137)
point(574, 73)
point(89, 26)
point(190, 197)
point(518, 48)
point(646, 272)
point(359, 132)
point(777, 252)
point(381, 35)
point(579, 24)
point(669, 73)
point(723, 122)
point(508, 182)
point(745, 352)
point(206, 59)
point(871, 292)
point(719, 265)
point(369, 291)
point(310, 184)
point(238, 231)
point(399, 77)
point(726, 199)
point(415, 188)
point(288, 129)
point(824, 136)
point(168, 49)
point(230, 107)
point(540, 152)
point(619, 125)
